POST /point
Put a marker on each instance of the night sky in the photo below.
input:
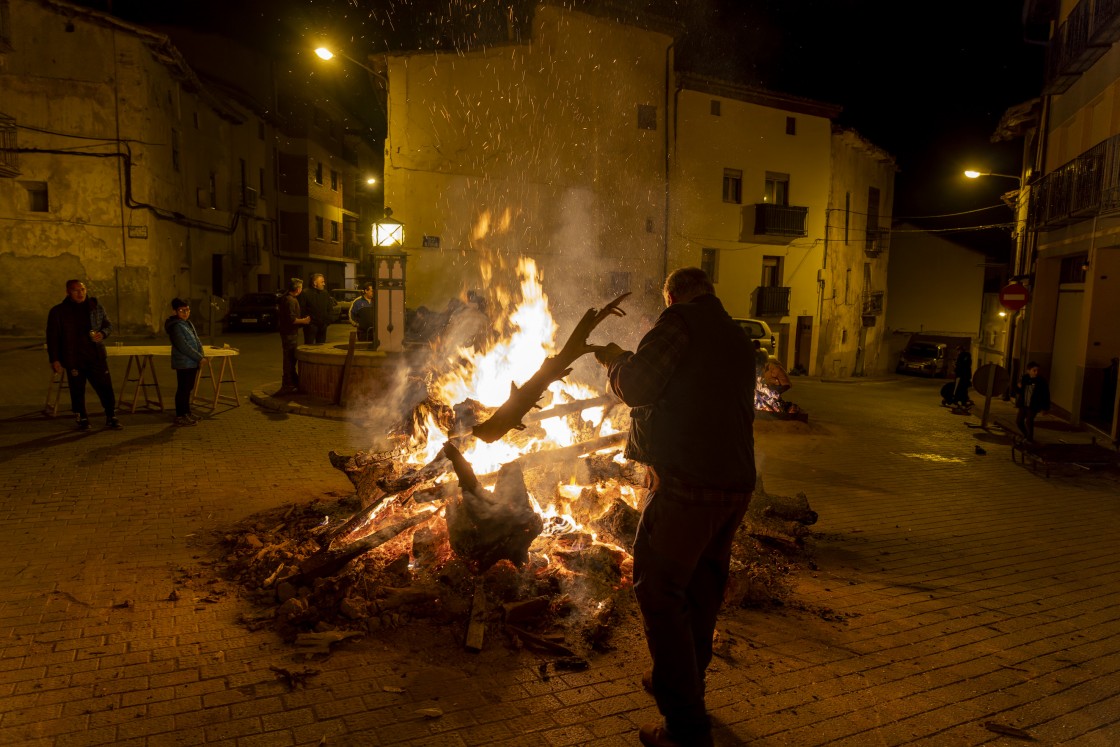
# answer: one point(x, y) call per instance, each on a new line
point(926, 82)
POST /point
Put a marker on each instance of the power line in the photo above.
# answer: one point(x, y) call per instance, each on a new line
point(947, 215)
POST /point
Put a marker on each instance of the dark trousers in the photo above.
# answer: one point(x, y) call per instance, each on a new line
point(1025, 421)
point(314, 334)
point(682, 552)
point(288, 344)
point(185, 377)
point(97, 374)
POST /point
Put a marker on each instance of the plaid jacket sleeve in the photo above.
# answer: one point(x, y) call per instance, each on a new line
point(638, 378)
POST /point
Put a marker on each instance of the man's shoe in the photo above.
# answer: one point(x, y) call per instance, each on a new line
point(114, 425)
point(83, 424)
point(656, 735)
point(193, 417)
point(183, 420)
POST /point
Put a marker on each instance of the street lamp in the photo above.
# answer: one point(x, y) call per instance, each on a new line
point(1014, 200)
point(325, 53)
point(387, 270)
point(388, 232)
point(973, 174)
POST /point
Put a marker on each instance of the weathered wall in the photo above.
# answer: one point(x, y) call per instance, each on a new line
point(123, 143)
point(851, 340)
point(532, 149)
point(751, 138)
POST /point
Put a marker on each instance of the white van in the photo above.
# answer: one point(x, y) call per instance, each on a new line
point(757, 329)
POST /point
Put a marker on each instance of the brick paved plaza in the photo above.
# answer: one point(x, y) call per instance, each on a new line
point(953, 593)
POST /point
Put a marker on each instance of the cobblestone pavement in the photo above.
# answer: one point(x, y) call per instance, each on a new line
point(952, 593)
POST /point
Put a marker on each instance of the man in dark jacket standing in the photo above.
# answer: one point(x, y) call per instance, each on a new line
point(1032, 397)
point(318, 304)
point(288, 325)
point(76, 332)
point(690, 385)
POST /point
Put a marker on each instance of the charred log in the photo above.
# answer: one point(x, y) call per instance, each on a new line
point(430, 471)
point(476, 627)
point(329, 561)
point(485, 527)
point(779, 518)
point(619, 524)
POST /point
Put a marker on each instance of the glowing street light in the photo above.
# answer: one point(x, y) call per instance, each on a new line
point(974, 174)
point(326, 53)
point(388, 232)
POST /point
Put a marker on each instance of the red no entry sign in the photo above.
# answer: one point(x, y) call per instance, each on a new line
point(1014, 296)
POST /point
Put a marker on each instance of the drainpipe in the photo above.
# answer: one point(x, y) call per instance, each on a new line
point(120, 180)
point(669, 84)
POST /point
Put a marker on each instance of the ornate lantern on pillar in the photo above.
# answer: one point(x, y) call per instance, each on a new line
point(388, 275)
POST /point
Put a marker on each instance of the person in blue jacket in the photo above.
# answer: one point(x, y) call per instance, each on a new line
point(186, 357)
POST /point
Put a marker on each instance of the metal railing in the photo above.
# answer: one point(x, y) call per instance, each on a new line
point(872, 303)
point(1086, 186)
point(779, 220)
point(1086, 34)
point(876, 241)
point(771, 300)
point(9, 158)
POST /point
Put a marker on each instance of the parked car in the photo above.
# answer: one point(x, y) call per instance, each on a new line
point(925, 358)
point(254, 311)
point(344, 297)
point(757, 329)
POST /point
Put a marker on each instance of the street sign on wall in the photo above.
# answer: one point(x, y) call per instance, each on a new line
point(1014, 296)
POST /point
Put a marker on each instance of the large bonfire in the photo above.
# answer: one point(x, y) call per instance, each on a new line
point(501, 500)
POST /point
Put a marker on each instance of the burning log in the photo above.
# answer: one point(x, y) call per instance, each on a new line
point(569, 453)
point(485, 527)
point(521, 401)
point(620, 524)
point(568, 408)
point(329, 561)
point(429, 471)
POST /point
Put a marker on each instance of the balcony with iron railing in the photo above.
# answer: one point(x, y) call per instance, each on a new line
point(876, 241)
point(771, 300)
point(1082, 188)
point(1082, 39)
point(9, 160)
point(779, 220)
point(872, 303)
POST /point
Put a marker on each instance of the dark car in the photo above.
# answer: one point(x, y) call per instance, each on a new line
point(925, 359)
point(343, 297)
point(254, 311)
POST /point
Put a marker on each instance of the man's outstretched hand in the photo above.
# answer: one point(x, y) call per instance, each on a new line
point(606, 354)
